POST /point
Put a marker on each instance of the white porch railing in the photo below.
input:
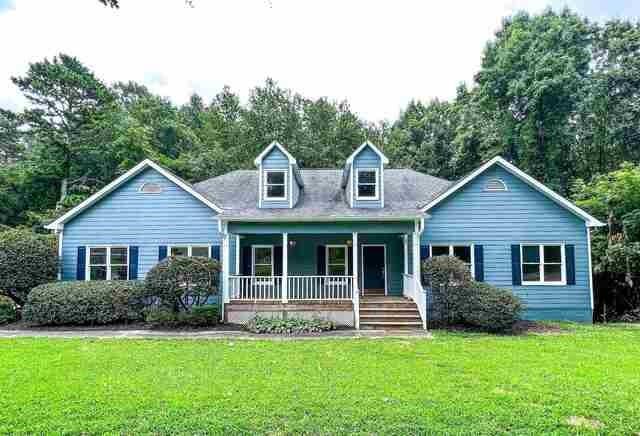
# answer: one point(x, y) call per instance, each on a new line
point(412, 288)
point(254, 288)
point(319, 288)
point(355, 299)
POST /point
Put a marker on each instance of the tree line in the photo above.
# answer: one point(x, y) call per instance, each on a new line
point(555, 94)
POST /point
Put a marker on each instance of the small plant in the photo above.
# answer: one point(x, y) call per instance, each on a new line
point(288, 326)
point(85, 303)
point(182, 283)
point(8, 312)
point(26, 261)
point(201, 316)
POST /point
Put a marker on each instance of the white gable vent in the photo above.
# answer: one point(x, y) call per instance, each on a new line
point(150, 188)
point(495, 185)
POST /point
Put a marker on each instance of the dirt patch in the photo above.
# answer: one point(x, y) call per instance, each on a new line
point(582, 422)
point(519, 328)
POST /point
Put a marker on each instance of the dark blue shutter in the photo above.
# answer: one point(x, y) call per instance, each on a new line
point(245, 266)
point(424, 253)
point(215, 252)
point(277, 260)
point(321, 268)
point(350, 260)
point(81, 263)
point(133, 263)
point(478, 258)
point(162, 253)
point(570, 255)
point(516, 276)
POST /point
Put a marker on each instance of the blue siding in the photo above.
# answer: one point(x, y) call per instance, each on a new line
point(499, 219)
point(129, 217)
point(367, 158)
point(276, 160)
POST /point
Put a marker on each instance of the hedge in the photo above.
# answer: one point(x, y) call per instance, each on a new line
point(8, 312)
point(85, 303)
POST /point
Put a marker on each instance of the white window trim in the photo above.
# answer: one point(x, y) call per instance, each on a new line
point(457, 244)
point(189, 248)
point(326, 258)
point(377, 184)
point(266, 185)
point(253, 258)
point(563, 267)
point(87, 266)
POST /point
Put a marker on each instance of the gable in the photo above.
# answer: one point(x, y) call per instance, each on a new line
point(275, 159)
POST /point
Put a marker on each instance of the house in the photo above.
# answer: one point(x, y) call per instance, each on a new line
point(343, 244)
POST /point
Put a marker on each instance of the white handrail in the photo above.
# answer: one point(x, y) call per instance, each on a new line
point(319, 288)
point(412, 288)
point(356, 304)
point(255, 288)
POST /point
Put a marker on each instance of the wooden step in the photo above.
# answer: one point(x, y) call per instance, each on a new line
point(381, 305)
point(391, 319)
point(390, 325)
point(389, 310)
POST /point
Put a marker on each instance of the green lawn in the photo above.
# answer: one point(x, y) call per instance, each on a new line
point(457, 383)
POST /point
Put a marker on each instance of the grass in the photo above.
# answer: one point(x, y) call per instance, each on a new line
point(585, 380)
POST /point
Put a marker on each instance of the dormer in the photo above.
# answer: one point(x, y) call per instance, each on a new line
point(363, 178)
point(279, 182)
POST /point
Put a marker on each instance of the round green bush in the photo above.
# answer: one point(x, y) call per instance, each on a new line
point(200, 316)
point(26, 260)
point(181, 283)
point(8, 312)
point(85, 303)
point(492, 309)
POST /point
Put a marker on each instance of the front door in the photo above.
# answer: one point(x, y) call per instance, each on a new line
point(373, 269)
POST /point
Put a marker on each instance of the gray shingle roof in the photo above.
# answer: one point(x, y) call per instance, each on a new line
point(404, 191)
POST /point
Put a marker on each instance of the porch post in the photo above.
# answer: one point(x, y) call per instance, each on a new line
point(225, 267)
point(405, 244)
point(354, 251)
point(416, 252)
point(285, 267)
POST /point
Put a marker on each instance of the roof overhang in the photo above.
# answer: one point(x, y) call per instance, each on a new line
point(557, 198)
point(266, 151)
point(323, 219)
point(147, 163)
point(376, 150)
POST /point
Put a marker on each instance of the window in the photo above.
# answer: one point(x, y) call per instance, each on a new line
point(108, 263)
point(275, 186)
point(336, 258)
point(189, 250)
point(262, 260)
point(462, 252)
point(367, 184)
point(542, 264)
point(150, 188)
point(495, 185)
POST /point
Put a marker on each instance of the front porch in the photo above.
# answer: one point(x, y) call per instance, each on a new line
point(312, 272)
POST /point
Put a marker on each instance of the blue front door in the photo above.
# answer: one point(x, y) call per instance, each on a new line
point(373, 268)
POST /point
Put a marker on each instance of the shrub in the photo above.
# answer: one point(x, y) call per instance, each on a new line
point(492, 309)
point(26, 261)
point(290, 326)
point(181, 283)
point(82, 303)
point(457, 299)
point(201, 316)
point(8, 312)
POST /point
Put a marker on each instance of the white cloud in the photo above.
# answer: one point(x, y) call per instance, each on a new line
point(376, 54)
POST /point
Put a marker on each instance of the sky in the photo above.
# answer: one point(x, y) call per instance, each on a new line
point(378, 55)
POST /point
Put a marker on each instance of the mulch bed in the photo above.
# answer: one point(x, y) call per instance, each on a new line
point(21, 325)
point(519, 328)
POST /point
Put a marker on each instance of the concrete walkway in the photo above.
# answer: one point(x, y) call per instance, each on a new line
point(207, 334)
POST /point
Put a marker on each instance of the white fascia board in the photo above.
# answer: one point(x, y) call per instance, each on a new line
point(322, 219)
point(384, 159)
point(147, 163)
point(557, 198)
point(274, 144)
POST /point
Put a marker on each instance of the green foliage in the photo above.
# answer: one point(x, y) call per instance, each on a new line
point(288, 326)
point(26, 260)
point(181, 283)
point(200, 316)
point(85, 303)
point(457, 299)
point(8, 311)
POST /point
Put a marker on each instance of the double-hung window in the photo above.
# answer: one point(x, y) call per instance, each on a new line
point(190, 250)
point(462, 252)
point(108, 263)
point(275, 185)
point(367, 184)
point(542, 264)
point(336, 258)
point(262, 260)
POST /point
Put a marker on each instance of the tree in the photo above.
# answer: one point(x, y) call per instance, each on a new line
point(11, 145)
point(26, 261)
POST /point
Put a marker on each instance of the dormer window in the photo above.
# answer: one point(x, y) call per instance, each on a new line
point(367, 184)
point(275, 186)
